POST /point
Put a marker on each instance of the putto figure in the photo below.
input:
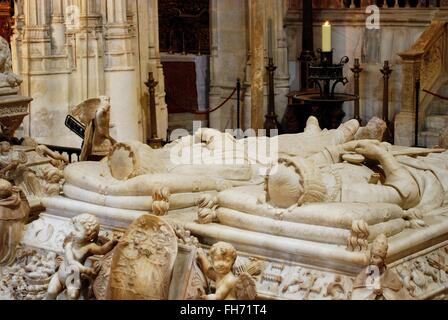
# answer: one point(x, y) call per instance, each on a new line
point(78, 246)
point(376, 282)
point(220, 270)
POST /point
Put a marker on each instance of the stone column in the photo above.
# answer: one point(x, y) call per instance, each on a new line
point(57, 27)
point(405, 120)
point(37, 25)
point(257, 41)
point(280, 60)
point(89, 51)
point(121, 76)
point(228, 58)
point(40, 70)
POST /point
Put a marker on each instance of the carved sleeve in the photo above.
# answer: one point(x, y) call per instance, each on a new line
point(329, 156)
point(401, 180)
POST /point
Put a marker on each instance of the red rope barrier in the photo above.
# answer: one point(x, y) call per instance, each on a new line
point(214, 109)
point(435, 94)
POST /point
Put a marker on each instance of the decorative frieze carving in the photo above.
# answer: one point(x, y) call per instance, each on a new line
point(423, 275)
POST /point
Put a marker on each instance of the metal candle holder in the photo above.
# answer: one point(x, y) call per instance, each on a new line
point(326, 74)
point(326, 105)
point(271, 122)
point(153, 140)
point(386, 71)
point(357, 71)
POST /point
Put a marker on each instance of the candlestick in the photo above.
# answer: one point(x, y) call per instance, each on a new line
point(271, 122)
point(270, 37)
point(387, 71)
point(326, 37)
point(357, 70)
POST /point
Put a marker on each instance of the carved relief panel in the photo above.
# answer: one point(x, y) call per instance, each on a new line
point(143, 261)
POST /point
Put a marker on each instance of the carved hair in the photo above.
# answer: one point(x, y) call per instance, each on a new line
point(90, 224)
point(223, 248)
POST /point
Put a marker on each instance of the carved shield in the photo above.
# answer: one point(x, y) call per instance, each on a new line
point(143, 261)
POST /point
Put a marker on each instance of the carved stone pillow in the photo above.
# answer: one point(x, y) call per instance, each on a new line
point(122, 162)
point(131, 159)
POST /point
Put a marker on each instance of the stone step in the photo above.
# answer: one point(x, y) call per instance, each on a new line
point(428, 139)
point(438, 106)
point(436, 122)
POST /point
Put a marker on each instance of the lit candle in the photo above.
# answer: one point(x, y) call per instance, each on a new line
point(270, 41)
point(326, 37)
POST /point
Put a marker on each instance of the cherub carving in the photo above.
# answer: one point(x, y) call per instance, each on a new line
point(9, 160)
point(220, 269)
point(53, 179)
point(78, 246)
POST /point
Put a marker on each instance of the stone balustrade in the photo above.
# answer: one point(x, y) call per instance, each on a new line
point(353, 4)
point(387, 3)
